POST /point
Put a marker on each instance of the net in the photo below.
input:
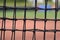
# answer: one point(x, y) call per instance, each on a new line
point(34, 30)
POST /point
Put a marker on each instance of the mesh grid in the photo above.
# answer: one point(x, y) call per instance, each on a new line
point(14, 19)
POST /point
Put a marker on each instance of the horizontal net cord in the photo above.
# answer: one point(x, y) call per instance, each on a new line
point(37, 19)
point(31, 30)
point(27, 8)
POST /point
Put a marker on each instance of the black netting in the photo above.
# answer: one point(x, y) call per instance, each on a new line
point(34, 30)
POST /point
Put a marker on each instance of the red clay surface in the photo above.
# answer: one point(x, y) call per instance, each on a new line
point(30, 25)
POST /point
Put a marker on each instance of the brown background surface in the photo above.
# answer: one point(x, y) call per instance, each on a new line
point(30, 25)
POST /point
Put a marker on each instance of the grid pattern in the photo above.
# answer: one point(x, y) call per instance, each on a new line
point(14, 19)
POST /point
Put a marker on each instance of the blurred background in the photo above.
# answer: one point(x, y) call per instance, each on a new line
point(29, 2)
point(30, 13)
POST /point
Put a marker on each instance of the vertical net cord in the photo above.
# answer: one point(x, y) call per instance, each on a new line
point(34, 30)
point(2, 27)
point(46, 1)
point(13, 30)
point(4, 21)
point(24, 25)
point(14, 22)
point(56, 10)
